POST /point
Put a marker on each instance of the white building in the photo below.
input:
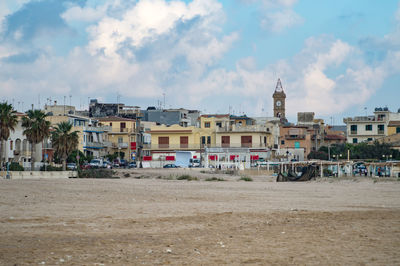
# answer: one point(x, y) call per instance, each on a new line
point(369, 128)
point(18, 148)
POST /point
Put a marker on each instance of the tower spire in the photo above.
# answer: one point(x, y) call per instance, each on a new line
point(278, 87)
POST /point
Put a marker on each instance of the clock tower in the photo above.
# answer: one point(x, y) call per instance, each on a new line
point(279, 97)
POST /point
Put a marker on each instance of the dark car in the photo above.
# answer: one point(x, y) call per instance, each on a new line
point(132, 165)
point(170, 166)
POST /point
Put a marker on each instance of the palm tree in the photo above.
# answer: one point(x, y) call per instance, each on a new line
point(8, 120)
point(64, 142)
point(37, 128)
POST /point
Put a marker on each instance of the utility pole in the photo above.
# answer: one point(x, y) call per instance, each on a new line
point(139, 144)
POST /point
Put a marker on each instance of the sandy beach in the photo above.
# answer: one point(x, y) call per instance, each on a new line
point(148, 218)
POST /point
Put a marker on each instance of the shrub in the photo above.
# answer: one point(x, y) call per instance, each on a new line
point(14, 166)
point(186, 177)
point(215, 179)
point(96, 173)
point(50, 168)
point(246, 178)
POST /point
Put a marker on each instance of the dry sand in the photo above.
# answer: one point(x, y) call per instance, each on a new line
point(155, 221)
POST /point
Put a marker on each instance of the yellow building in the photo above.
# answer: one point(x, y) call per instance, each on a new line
point(122, 136)
point(216, 134)
point(393, 127)
point(165, 140)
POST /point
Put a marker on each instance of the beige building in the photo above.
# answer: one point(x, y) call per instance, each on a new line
point(369, 128)
point(122, 136)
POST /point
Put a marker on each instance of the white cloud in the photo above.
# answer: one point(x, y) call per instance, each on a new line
point(280, 20)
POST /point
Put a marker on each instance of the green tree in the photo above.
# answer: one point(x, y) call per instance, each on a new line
point(64, 141)
point(8, 121)
point(37, 128)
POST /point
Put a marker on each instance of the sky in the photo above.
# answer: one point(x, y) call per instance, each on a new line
point(335, 58)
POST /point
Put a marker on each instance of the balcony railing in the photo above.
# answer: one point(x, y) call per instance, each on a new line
point(94, 145)
point(381, 132)
point(293, 137)
point(97, 129)
point(202, 146)
point(353, 132)
point(234, 128)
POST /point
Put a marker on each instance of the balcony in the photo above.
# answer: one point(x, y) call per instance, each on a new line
point(235, 128)
point(94, 145)
point(107, 144)
point(173, 147)
point(381, 132)
point(353, 132)
point(96, 129)
point(295, 137)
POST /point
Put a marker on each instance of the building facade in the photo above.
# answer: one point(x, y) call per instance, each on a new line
point(370, 128)
point(122, 136)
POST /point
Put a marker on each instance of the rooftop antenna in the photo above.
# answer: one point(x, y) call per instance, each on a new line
point(164, 99)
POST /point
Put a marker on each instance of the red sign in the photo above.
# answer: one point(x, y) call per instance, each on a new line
point(194, 157)
point(254, 157)
point(147, 158)
point(170, 158)
point(232, 157)
point(213, 157)
point(133, 145)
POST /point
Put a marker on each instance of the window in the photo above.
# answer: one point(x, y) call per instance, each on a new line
point(218, 124)
point(246, 141)
point(120, 140)
point(184, 141)
point(368, 127)
point(353, 129)
point(110, 124)
point(225, 141)
point(355, 140)
point(203, 140)
point(11, 145)
point(208, 139)
point(369, 139)
point(397, 129)
point(282, 142)
point(381, 129)
point(207, 124)
point(163, 142)
point(265, 140)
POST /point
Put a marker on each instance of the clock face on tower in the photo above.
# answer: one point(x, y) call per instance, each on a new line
point(278, 103)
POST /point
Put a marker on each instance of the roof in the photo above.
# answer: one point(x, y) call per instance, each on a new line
point(215, 115)
point(394, 123)
point(114, 118)
point(334, 137)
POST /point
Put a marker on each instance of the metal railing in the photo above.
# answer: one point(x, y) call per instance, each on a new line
point(202, 146)
point(290, 137)
point(97, 129)
point(94, 145)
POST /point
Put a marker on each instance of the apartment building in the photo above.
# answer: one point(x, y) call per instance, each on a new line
point(369, 128)
point(92, 136)
point(122, 135)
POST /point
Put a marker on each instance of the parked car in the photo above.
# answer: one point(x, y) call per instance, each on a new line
point(194, 163)
point(123, 163)
point(132, 165)
point(107, 165)
point(170, 166)
point(71, 166)
point(85, 166)
point(95, 163)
